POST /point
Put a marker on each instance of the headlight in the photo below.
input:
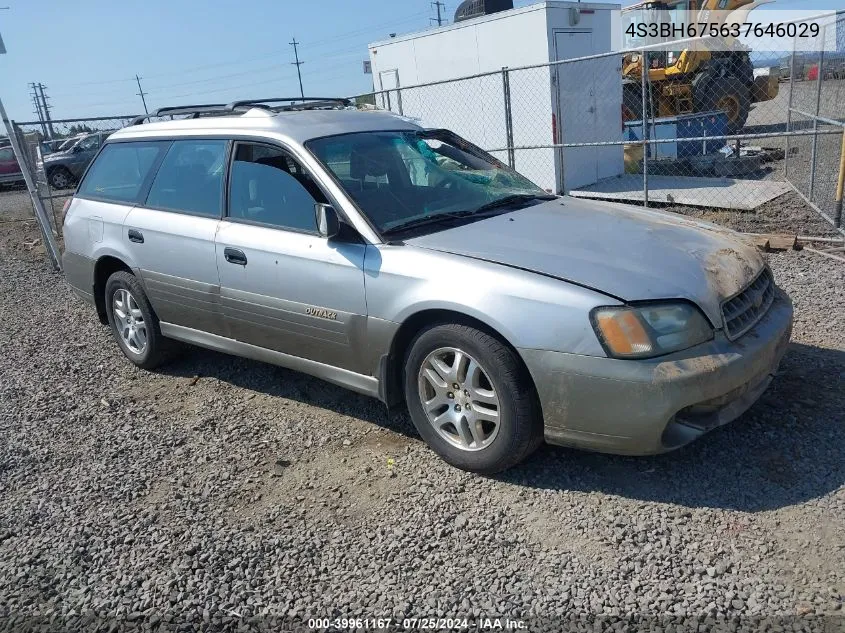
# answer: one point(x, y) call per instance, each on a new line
point(650, 330)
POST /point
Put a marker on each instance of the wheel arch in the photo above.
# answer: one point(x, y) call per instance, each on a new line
point(391, 365)
point(105, 267)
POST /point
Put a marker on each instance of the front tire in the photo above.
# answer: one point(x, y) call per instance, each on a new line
point(471, 399)
point(133, 322)
point(727, 94)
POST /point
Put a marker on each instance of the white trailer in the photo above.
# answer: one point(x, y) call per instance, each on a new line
point(564, 103)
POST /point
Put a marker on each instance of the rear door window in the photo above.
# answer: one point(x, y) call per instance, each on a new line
point(190, 179)
point(120, 171)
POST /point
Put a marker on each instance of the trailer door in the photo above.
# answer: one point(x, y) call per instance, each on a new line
point(576, 121)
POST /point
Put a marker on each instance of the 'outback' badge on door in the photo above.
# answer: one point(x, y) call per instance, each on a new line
point(321, 313)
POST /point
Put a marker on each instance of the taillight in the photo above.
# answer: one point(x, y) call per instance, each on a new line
point(65, 207)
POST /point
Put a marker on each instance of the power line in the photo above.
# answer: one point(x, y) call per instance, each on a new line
point(298, 63)
point(308, 45)
point(439, 19)
point(141, 94)
point(370, 29)
point(319, 61)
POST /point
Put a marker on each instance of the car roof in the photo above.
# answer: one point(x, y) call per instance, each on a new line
point(300, 126)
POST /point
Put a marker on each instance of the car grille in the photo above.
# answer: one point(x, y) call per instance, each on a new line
point(742, 312)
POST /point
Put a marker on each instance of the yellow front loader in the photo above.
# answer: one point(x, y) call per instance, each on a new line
point(692, 80)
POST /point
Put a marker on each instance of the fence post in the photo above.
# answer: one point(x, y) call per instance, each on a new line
point(840, 185)
point(506, 90)
point(789, 108)
point(819, 74)
point(41, 218)
point(644, 82)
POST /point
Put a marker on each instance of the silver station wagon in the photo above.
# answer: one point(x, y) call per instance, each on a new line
point(409, 265)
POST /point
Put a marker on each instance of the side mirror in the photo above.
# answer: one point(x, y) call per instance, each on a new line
point(328, 224)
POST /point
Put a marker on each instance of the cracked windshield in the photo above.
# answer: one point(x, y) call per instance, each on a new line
point(403, 178)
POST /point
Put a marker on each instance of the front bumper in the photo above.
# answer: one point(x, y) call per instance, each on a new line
point(653, 406)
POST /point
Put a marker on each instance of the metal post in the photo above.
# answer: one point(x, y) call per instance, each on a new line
point(40, 213)
point(46, 109)
point(840, 185)
point(506, 90)
point(141, 94)
point(789, 108)
point(298, 63)
point(815, 118)
point(38, 112)
point(645, 127)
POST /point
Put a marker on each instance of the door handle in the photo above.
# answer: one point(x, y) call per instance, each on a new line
point(136, 236)
point(234, 256)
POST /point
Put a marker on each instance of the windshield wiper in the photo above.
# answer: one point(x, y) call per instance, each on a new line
point(512, 199)
point(441, 218)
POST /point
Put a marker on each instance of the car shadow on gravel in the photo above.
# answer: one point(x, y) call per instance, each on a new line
point(283, 383)
point(787, 449)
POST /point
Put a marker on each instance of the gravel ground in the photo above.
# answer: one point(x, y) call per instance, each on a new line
point(221, 493)
point(787, 214)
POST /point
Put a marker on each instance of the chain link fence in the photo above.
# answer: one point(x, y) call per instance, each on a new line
point(58, 152)
point(738, 130)
point(815, 163)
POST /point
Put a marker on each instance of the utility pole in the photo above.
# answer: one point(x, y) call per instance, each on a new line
point(297, 63)
point(46, 109)
point(439, 19)
point(141, 94)
point(38, 112)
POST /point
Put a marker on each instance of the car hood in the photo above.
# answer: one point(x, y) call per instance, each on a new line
point(627, 252)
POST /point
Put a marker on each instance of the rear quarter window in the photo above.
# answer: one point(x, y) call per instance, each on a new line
point(121, 169)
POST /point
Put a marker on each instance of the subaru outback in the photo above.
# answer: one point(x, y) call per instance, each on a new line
point(411, 266)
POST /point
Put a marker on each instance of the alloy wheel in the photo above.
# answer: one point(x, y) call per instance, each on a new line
point(458, 398)
point(129, 321)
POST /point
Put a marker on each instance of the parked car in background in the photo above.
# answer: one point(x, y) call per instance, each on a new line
point(65, 167)
point(409, 265)
point(10, 170)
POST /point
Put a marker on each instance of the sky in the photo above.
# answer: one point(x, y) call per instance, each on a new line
point(87, 52)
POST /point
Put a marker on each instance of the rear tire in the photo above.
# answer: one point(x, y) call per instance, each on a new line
point(471, 399)
point(134, 323)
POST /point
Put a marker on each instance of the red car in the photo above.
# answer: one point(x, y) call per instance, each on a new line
point(10, 171)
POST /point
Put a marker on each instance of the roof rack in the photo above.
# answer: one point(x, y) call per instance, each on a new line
point(295, 103)
point(194, 110)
